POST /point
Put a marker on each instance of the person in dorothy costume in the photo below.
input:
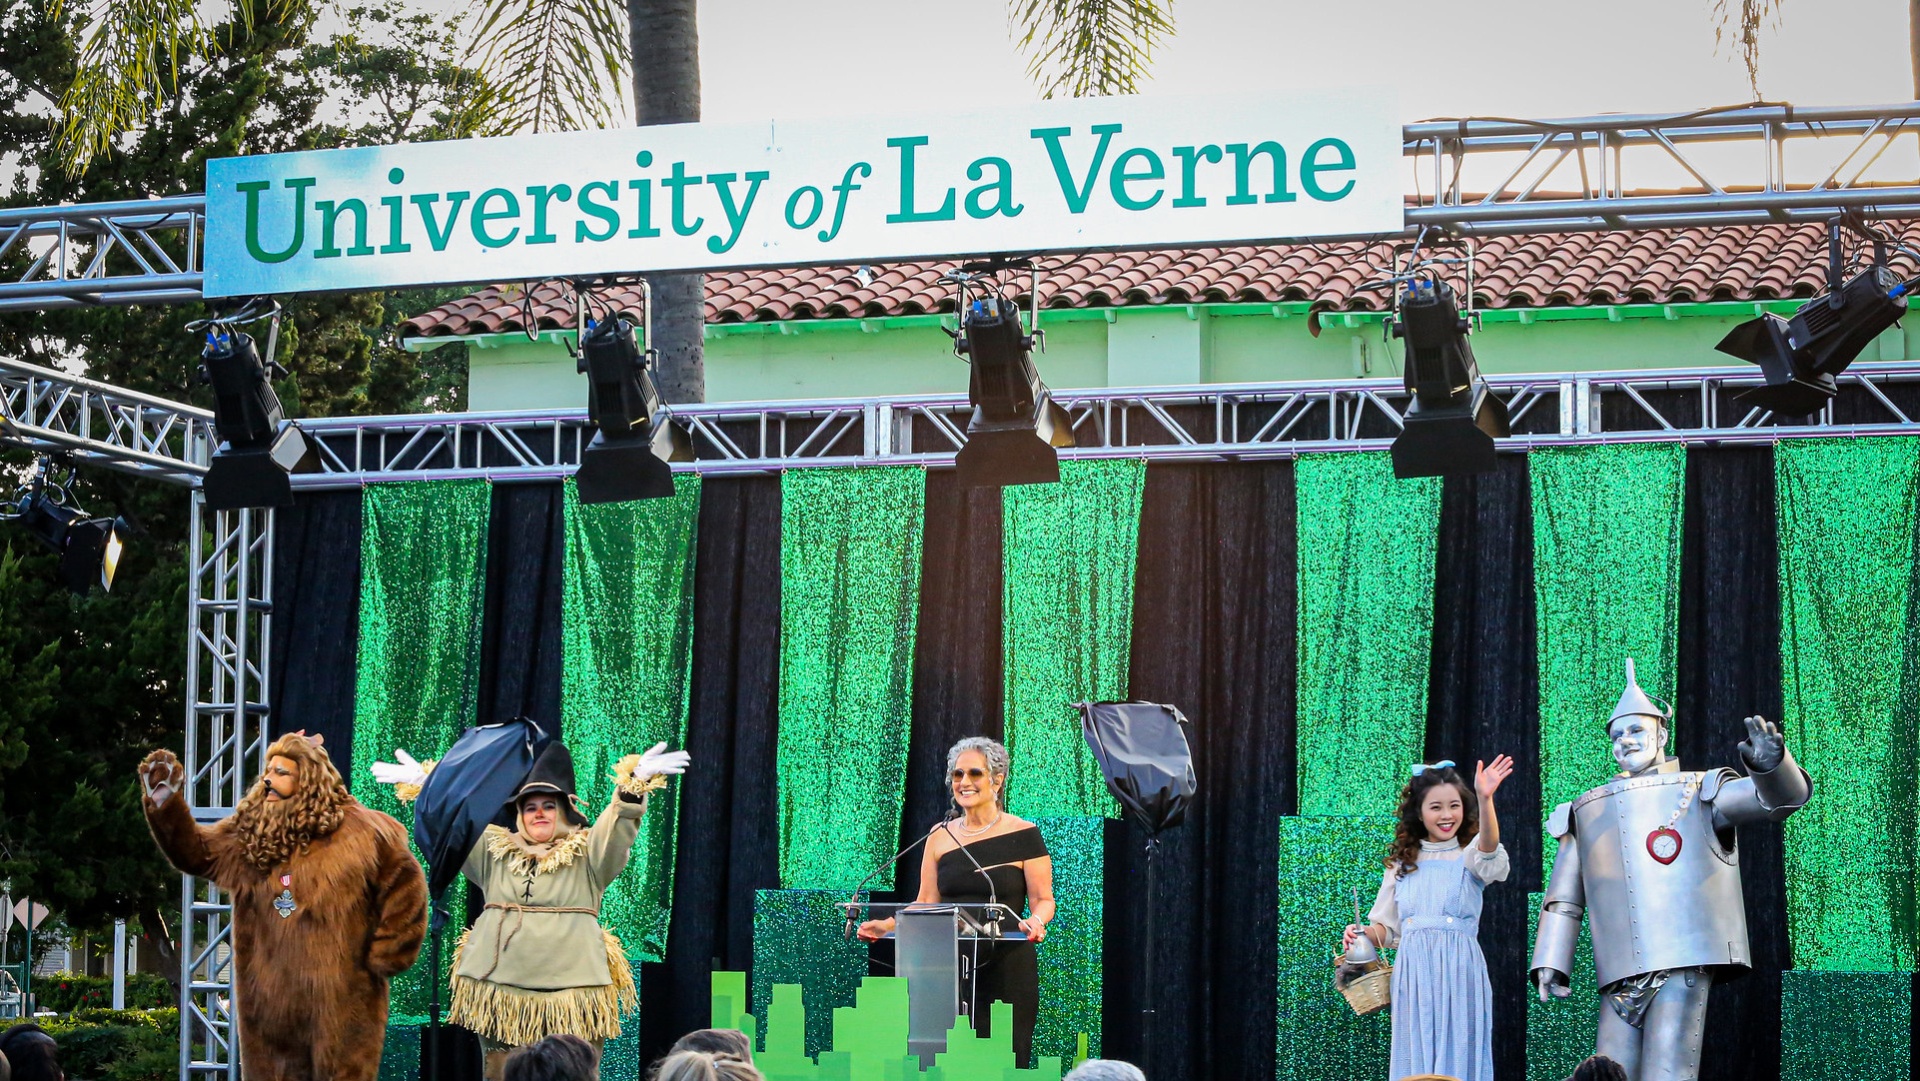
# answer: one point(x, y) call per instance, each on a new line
point(1446, 850)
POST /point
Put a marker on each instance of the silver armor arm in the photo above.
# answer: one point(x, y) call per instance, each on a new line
point(1768, 796)
point(1563, 905)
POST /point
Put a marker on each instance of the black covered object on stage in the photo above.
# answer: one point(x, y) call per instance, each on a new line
point(466, 789)
point(1143, 753)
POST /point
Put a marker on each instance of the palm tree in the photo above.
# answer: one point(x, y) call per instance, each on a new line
point(559, 65)
point(1742, 20)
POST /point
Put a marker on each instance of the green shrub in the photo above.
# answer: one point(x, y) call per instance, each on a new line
point(64, 992)
point(118, 1045)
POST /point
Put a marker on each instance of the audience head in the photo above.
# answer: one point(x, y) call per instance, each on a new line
point(1599, 1068)
point(1105, 1069)
point(706, 1066)
point(555, 1058)
point(6, 1071)
point(31, 1054)
point(716, 1041)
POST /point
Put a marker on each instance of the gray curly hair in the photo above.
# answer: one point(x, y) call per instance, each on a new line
point(992, 750)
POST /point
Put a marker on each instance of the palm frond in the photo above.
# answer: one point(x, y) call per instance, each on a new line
point(130, 55)
point(554, 64)
point(1082, 48)
point(1741, 21)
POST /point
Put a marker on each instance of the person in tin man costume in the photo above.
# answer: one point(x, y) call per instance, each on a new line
point(1650, 856)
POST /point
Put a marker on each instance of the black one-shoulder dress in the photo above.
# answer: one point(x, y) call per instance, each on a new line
point(1008, 971)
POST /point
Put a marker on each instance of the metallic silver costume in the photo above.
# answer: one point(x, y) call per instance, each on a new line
point(1650, 856)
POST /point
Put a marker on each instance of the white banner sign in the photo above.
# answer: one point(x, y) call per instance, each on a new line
point(1111, 173)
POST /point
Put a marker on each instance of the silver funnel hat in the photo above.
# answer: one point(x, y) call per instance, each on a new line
point(1635, 702)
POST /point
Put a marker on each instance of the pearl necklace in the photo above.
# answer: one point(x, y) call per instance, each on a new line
point(982, 829)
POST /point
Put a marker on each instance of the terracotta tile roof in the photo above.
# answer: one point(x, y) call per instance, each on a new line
point(1661, 266)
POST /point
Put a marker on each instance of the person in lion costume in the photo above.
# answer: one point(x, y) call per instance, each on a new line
point(328, 905)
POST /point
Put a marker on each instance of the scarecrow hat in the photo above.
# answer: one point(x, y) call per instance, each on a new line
point(553, 772)
point(1635, 702)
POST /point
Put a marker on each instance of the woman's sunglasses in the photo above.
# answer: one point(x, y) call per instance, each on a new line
point(969, 775)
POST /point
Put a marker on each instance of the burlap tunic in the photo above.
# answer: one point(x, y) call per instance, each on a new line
point(524, 970)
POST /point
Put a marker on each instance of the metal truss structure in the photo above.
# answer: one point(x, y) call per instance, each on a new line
point(229, 627)
point(102, 425)
point(1570, 175)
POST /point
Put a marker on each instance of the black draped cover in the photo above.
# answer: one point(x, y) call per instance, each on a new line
point(1213, 633)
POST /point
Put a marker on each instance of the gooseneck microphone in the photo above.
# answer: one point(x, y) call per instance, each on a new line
point(853, 898)
point(993, 897)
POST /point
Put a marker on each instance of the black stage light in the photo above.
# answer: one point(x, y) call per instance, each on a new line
point(89, 548)
point(1800, 356)
point(633, 440)
point(1450, 425)
point(1015, 427)
point(259, 447)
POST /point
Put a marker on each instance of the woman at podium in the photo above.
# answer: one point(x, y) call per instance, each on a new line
point(986, 855)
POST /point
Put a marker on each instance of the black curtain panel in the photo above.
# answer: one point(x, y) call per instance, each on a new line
point(1213, 634)
point(1483, 700)
point(1729, 670)
point(313, 654)
point(729, 812)
point(520, 641)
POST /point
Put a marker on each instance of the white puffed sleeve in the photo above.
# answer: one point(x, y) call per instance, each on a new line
point(1386, 909)
point(1488, 867)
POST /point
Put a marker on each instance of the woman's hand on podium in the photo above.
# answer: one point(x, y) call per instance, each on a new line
point(1036, 931)
point(874, 930)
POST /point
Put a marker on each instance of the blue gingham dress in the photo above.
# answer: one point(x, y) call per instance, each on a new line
point(1442, 1002)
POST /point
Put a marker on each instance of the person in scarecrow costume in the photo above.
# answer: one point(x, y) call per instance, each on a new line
point(537, 962)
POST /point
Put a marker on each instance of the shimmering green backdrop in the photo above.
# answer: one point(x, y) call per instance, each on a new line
point(1847, 515)
point(423, 556)
point(1365, 629)
point(1845, 1026)
point(1323, 860)
point(849, 603)
point(626, 605)
point(1070, 958)
point(797, 940)
point(1606, 572)
point(1067, 626)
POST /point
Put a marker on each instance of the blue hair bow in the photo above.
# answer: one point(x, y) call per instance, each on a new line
point(1444, 763)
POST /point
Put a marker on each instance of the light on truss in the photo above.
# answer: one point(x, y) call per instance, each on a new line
point(259, 448)
point(89, 548)
point(634, 439)
point(1450, 425)
point(1016, 428)
point(1800, 356)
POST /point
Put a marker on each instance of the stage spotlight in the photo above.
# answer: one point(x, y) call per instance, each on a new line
point(89, 548)
point(259, 447)
point(634, 440)
point(1450, 425)
point(1800, 356)
point(1016, 427)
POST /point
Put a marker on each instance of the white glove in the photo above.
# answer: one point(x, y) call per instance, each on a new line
point(659, 760)
point(407, 772)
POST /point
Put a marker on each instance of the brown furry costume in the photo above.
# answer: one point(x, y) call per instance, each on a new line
point(312, 986)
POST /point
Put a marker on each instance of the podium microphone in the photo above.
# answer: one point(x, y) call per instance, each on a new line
point(854, 898)
point(993, 897)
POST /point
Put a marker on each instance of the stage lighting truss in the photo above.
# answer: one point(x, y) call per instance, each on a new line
point(635, 437)
point(258, 447)
point(1449, 427)
point(1801, 356)
point(1016, 428)
point(89, 548)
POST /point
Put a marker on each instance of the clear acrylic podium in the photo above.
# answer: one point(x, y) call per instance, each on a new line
point(936, 946)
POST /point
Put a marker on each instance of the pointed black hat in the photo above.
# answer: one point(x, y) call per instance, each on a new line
point(553, 772)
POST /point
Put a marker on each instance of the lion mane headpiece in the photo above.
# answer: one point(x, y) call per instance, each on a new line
point(271, 832)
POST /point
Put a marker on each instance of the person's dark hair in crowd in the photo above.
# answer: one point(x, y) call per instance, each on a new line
point(31, 1054)
point(714, 1041)
point(6, 1071)
point(707, 1066)
point(1599, 1068)
point(554, 1058)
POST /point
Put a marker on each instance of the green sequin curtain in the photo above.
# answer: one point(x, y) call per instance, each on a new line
point(849, 603)
point(1323, 861)
point(1845, 1026)
point(1561, 1032)
point(1606, 551)
point(1067, 626)
point(423, 556)
point(1070, 958)
point(1365, 629)
point(1847, 516)
point(626, 606)
point(797, 940)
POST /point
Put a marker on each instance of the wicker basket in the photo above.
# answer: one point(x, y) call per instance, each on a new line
point(1371, 992)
